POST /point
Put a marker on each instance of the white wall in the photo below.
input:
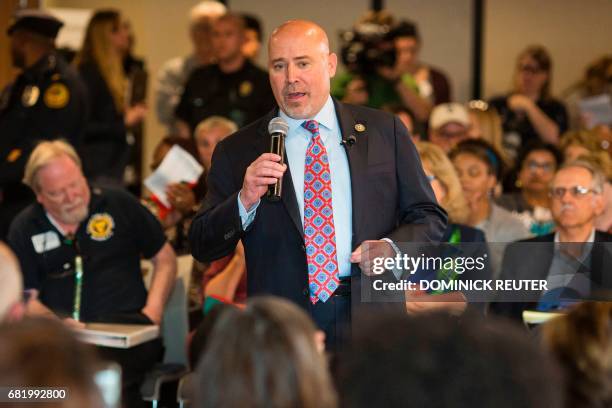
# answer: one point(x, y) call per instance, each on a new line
point(575, 33)
point(445, 27)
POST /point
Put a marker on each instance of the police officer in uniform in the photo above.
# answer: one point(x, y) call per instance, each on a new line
point(234, 87)
point(46, 101)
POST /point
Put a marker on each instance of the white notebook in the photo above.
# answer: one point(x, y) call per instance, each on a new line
point(117, 335)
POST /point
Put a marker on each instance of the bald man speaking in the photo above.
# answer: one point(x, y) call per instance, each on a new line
point(351, 175)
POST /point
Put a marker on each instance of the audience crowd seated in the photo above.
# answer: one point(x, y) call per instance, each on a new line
point(574, 260)
point(447, 188)
point(514, 181)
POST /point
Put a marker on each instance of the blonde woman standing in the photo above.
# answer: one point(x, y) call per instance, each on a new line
point(105, 147)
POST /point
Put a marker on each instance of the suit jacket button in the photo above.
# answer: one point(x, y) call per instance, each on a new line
point(306, 292)
point(304, 248)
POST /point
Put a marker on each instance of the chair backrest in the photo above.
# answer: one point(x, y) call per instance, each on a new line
point(175, 322)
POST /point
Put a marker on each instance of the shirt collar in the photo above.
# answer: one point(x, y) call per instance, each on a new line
point(326, 118)
point(586, 248)
point(590, 239)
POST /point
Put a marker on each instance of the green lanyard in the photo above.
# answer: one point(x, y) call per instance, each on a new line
point(78, 287)
point(455, 237)
point(447, 273)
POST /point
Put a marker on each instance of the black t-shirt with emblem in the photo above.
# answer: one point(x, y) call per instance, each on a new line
point(242, 96)
point(47, 101)
point(111, 241)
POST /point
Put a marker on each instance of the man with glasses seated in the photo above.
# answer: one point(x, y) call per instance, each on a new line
point(573, 260)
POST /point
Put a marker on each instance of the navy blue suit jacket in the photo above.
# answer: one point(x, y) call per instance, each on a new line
point(391, 197)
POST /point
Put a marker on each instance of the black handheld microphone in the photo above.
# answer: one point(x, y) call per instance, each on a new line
point(278, 129)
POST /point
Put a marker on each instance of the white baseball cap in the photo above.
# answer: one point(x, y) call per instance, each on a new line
point(448, 113)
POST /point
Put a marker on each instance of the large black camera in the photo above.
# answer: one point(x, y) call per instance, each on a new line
point(367, 47)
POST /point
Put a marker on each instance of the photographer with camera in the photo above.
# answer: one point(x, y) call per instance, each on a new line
point(386, 56)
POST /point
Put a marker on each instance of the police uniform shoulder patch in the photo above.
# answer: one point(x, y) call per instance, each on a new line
point(57, 96)
point(100, 226)
point(245, 89)
point(13, 155)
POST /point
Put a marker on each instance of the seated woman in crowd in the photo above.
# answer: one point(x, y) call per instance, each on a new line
point(447, 188)
point(581, 341)
point(100, 64)
point(479, 168)
point(537, 165)
point(268, 355)
point(529, 112)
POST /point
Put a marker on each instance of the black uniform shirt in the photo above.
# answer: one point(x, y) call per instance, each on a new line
point(46, 101)
point(242, 96)
point(111, 241)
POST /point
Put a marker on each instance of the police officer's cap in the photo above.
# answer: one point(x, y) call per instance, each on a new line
point(36, 21)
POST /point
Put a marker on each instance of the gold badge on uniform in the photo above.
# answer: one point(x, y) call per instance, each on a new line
point(360, 127)
point(57, 96)
point(30, 95)
point(100, 226)
point(13, 155)
point(245, 89)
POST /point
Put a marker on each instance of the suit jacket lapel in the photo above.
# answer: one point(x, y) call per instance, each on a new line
point(288, 198)
point(357, 155)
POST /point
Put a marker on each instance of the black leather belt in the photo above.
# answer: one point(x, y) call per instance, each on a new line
point(344, 288)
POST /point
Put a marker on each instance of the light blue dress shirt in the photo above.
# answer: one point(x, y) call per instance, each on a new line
point(296, 143)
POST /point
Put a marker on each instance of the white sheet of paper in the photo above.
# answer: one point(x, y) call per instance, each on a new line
point(598, 109)
point(178, 166)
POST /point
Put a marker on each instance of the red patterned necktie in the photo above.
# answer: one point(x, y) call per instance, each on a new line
point(319, 231)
